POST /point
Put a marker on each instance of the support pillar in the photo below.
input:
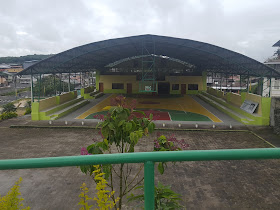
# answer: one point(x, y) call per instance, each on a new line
point(74, 81)
point(240, 84)
point(80, 80)
point(149, 185)
point(54, 84)
point(248, 78)
point(15, 78)
point(69, 87)
point(39, 87)
point(226, 82)
point(270, 85)
point(221, 79)
point(32, 94)
point(60, 89)
point(261, 86)
point(231, 83)
point(212, 79)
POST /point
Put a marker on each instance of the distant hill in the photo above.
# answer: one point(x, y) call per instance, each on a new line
point(21, 59)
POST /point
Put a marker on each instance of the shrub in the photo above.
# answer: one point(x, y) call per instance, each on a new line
point(28, 104)
point(165, 198)
point(27, 110)
point(102, 194)
point(10, 107)
point(13, 200)
point(168, 144)
point(8, 115)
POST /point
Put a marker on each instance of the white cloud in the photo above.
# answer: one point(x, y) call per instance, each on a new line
point(51, 26)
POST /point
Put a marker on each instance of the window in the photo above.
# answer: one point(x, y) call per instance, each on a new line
point(192, 86)
point(117, 86)
point(175, 86)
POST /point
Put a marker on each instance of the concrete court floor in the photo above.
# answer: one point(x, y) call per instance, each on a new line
point(204, 185)
point(96, 105)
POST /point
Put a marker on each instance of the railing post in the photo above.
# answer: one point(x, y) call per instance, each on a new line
point(149, 185)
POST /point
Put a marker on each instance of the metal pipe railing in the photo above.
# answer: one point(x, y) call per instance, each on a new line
point(148, 158)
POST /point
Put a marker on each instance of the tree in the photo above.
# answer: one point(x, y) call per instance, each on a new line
point(48, 86)
point(120, 129)
point(10, 107)
point(277, 53)
point(21, 59)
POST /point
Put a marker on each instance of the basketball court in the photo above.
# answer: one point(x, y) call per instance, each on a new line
point(169, 108)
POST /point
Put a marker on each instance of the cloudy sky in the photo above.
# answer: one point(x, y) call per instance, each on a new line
point(249, 27)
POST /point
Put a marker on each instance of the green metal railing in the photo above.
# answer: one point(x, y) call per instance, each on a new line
point(148, 158)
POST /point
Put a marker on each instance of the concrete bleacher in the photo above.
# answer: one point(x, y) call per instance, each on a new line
point(90, 93)
point(55, 107)
point(230, 104)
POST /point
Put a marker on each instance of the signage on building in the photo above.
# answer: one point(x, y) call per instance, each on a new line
point(249, 106)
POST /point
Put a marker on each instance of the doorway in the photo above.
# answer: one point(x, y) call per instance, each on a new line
point(101, 89)
point(163, 88)
point(129, 88)
point(183, 89)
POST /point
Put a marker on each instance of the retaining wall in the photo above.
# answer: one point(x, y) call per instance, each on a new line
point(275, 114)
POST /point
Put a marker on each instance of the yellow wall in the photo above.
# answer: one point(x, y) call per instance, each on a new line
point(47, 103)
point(89, 89)
point(212, 91)
point(235, 99)
point(67, 97)
point(185, 80)
point(220, 94)
point(107, 81)
point(14, 70)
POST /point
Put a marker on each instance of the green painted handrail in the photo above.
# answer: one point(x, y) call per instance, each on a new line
point(149, 158)
point(141, 157)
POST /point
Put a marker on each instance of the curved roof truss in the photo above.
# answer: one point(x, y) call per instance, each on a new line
point(98, 55)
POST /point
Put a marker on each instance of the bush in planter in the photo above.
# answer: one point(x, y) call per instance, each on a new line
point(165, 198)
point(8, 115)
point(28, 108)
point(27, 111)
point(10, 107)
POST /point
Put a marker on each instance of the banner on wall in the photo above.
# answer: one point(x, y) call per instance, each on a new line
point(249, 106)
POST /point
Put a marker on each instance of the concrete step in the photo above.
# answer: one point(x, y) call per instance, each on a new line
point(62, 106)
point(68, 110)
point(235, 115)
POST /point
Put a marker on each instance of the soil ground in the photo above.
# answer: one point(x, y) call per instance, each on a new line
point(204, 185)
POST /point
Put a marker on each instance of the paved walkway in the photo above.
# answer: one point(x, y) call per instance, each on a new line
point(251, 184)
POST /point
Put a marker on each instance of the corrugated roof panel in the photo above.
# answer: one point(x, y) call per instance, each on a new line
point(97, 55)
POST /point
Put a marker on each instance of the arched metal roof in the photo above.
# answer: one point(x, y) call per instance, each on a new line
point(98, 55)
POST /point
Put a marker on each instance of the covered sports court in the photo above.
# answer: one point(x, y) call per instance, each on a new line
point(183, 108)
point(166, 75)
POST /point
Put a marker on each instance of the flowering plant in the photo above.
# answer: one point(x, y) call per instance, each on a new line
point(162, 143)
